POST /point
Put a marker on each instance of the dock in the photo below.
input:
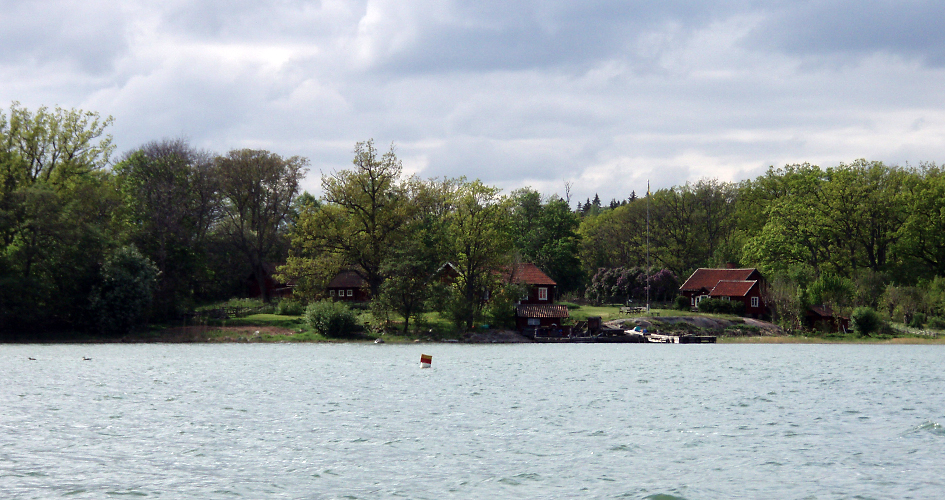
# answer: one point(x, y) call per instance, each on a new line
point(657, 338)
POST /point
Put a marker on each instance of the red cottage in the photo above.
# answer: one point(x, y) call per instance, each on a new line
point(349, 286)
point(536, 307)
point(744, 285)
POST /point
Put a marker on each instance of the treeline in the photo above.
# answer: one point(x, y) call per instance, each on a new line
point(91, 245)
point(863, 234)
point(95, 243)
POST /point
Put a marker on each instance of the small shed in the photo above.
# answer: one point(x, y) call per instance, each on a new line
point(535, 315)
point(823, 316)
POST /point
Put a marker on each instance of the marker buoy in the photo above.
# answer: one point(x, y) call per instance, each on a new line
point(425, 360)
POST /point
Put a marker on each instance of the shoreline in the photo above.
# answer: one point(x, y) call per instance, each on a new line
point(287, 339)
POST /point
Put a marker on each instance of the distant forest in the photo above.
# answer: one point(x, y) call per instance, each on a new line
point(97, 243)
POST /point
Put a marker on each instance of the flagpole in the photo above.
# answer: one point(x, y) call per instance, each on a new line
point(647, 246)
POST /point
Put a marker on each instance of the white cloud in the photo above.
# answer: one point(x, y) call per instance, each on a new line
point(604, 94)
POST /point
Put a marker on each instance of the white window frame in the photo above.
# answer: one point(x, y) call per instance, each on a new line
point(534, 322)
point(542, 293)
point(755, 302)
point(332, 292)
point(350, 292)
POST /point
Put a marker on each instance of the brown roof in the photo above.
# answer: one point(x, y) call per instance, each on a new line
point(825, 312)
point(347, 279)
point(708, 278)
point(528, 274)
point(542, 311)
point(732, 288)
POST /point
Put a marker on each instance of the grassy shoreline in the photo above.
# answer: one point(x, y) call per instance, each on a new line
point(272, 328)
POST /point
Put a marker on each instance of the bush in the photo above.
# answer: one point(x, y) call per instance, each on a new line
point(122, 299)
point(331, 319)
point(918, 320)
point(682, 303)
point(937, 323)
point(865, 321)
point(290, 307)
point(721, 306)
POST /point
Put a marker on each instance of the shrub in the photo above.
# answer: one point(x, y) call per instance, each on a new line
point(682, 303)
point(331, 319)
point(721, 306)
point(937, 323)
point(290, 307)
point(123, 297)
point(918, 320)
point(865, 321)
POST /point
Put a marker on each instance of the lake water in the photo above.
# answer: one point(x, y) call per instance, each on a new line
point(487, 421)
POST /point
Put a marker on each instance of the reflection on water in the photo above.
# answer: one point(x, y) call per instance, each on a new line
point(491, 421)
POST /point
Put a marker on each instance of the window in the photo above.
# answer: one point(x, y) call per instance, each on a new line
point(542, 293)
point(692, 300)
point(534, 322)
point(755, 301)
point(332, 293)
point(350, 293)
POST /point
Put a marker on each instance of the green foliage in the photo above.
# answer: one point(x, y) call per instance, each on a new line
point(545, 233)
point(682, 303)
point(124, 296)
point(361, 221)
point(410, 283)
point(258, 189)
point(937, 323)
point(55, 216)
point(721, 306)
point(477, 241)
point(865, 321)
point(460, 311)
point(918, 320)
point(331, 318)
point(500, 311)
point(290, 307)
point(170, 203)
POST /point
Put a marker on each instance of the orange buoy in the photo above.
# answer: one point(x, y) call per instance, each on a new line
point(425, 360)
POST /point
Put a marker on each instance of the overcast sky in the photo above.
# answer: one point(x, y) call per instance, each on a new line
point(601, 94)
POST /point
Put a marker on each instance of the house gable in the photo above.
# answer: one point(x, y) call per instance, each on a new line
point(541, 288)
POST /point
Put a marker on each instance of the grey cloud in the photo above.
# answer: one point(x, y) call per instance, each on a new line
point(253, 20)
point(85, 36)
point(502, 36)
point(841, 28)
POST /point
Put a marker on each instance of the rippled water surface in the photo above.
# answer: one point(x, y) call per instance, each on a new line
point(488, 421)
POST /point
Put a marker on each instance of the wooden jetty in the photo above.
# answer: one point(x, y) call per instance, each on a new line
point(657, 338)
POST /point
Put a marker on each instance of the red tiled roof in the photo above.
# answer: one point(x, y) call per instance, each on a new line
point(528, 274)
point(541, 311)
point(708, 278)
point(347, 279)
point(732, 288)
